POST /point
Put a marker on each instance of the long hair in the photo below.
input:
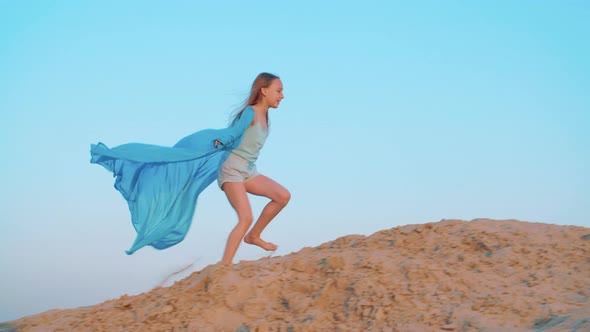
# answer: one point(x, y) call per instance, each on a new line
point(263, 80)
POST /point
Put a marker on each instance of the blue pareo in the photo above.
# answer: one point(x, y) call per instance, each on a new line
point(161, 184)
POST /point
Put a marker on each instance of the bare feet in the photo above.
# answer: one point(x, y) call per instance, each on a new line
point(268, 246)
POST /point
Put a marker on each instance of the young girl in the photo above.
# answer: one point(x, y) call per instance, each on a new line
point(161, 184)
point(238, 175)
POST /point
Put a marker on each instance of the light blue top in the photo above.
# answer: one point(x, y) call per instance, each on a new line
point(253, 141)
point(161, 184)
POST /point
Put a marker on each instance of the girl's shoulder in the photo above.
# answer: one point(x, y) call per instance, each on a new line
point(245, 118)
point(249, 109)
point(248, 113)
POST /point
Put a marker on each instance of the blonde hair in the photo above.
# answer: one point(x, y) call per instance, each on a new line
point(263, 80)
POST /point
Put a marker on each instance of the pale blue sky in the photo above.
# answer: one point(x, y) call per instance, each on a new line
point(395, 113)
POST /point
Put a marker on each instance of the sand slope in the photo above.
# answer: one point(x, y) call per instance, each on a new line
point(452, 275)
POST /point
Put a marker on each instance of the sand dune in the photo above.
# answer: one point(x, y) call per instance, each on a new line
point(452, 275)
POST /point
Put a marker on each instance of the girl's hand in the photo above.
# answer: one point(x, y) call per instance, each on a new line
point(217, 143)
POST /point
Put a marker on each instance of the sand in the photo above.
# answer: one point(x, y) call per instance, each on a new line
point(452, 275)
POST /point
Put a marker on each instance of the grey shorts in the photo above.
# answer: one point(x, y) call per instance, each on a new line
point(236, 169)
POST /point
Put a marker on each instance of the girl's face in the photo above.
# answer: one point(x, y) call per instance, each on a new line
point(274, 93)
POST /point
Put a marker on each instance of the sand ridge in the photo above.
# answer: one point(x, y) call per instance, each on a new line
point(452, 275)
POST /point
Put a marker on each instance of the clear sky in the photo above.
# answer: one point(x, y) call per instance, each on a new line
point(395, 113)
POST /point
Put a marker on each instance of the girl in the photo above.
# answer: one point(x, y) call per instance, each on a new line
point(238, 175)
point(161, 184)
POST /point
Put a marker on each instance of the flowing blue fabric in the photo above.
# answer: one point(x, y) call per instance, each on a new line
point(161, 184)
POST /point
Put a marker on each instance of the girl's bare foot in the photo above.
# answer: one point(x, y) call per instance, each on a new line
point(268, 246)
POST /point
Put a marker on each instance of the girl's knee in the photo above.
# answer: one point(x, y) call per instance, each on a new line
point(283, 197)
point(245, 220)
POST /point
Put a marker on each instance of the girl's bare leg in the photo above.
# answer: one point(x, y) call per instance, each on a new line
point(261, 185)
point(238, 198)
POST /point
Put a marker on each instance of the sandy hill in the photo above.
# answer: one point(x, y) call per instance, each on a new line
point(452, 275)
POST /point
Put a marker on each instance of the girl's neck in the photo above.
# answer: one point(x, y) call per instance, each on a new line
point(260, 108)
point(261, 115)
